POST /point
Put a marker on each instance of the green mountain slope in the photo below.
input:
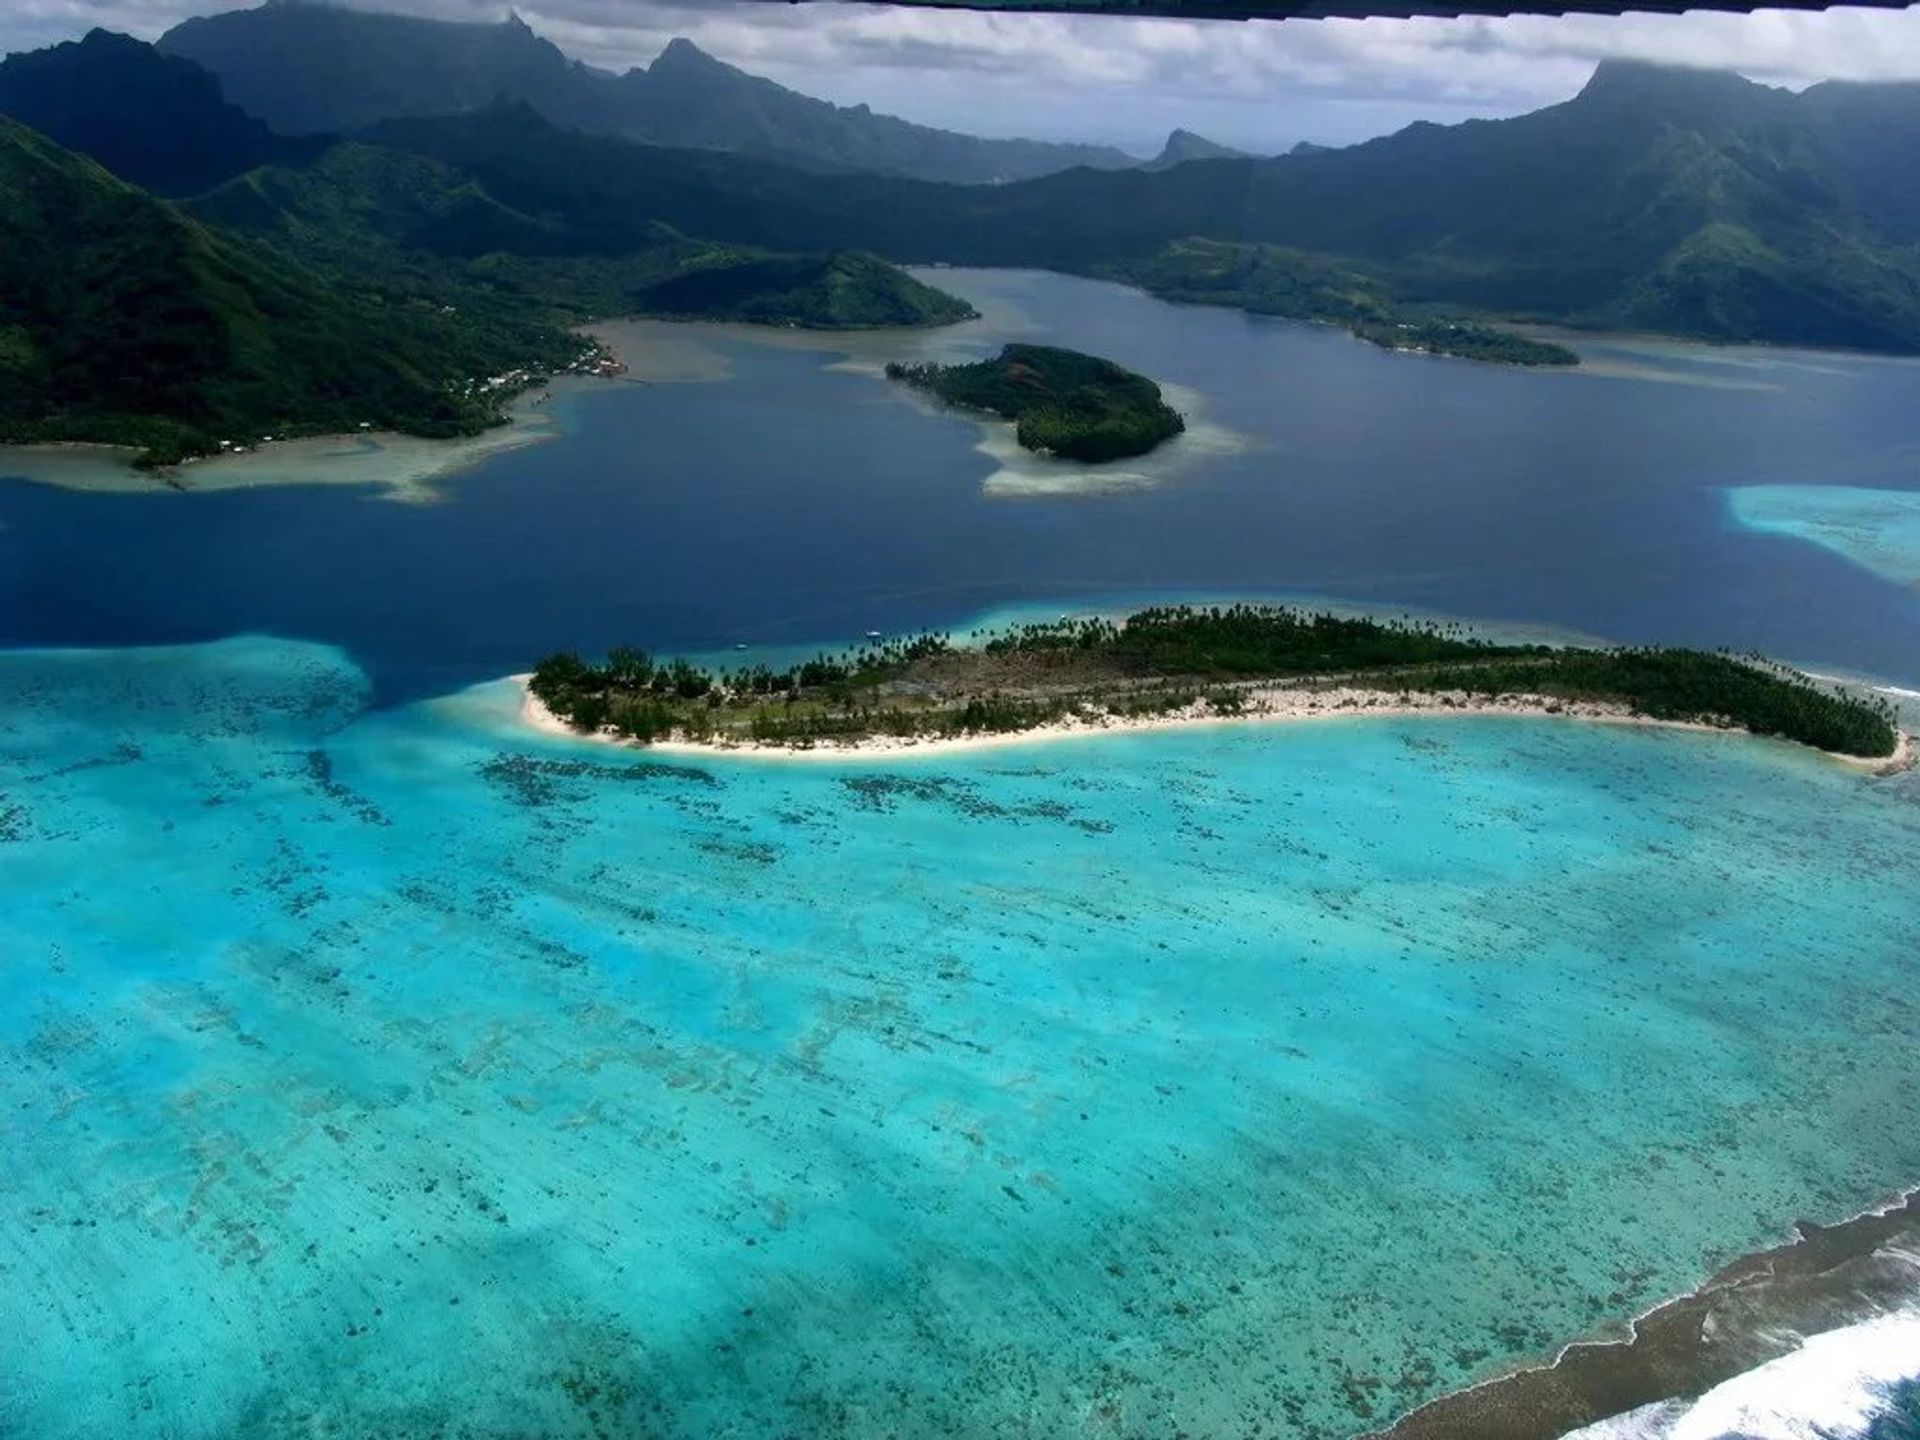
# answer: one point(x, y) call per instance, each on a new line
point(567, 251)
point(843, 290)
point(1691, 203)
point(306, 68)
point(375, 279)
point(1685, 202)
point(155, 121)
point(122, 320)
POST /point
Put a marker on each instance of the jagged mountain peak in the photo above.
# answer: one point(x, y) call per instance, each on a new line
point(1184, 145)
point(680, 51)
point(309, 68)
point(158, 121)
point(684, 60)
point(1628, 80)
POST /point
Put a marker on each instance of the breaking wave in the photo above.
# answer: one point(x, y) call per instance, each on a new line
point(1861, 1382)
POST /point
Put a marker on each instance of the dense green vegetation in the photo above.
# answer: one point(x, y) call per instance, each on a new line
point(124, 322)
point(1061, 402)
point(154, 120)
point(1689, 685)
point(1266, 279)
point(384, 281)
point(1684, 202)
point(1466, 340)
point(1169, 659)
point(424, 225)
point(364, 287)
point(845, 290)
point(1270, 280)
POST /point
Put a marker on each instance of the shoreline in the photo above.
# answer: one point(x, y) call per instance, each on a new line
point(408, 469)
point(1756, 1309)
point(1264, 705)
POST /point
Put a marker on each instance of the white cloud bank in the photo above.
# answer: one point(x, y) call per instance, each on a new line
point(1260, 85)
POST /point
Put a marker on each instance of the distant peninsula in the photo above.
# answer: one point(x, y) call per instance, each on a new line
point(842, 290)
point(1062, 402)
point(1173, 665)
point(1270, 280)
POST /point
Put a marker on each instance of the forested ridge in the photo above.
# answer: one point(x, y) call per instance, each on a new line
point(390, 278)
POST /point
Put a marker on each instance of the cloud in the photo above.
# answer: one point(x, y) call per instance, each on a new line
point(1256, 84)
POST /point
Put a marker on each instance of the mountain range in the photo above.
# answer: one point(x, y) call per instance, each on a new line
point(1686, 202)
point(300, 285)
point(294, 280)
point(309, 68)
point(156, 121)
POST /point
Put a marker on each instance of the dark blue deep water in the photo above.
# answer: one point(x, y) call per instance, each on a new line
point(795, 503)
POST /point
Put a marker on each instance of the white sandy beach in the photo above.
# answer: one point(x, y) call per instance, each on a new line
point(1265, 705)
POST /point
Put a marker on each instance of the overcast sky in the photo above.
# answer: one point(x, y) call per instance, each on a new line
point(1260, 85)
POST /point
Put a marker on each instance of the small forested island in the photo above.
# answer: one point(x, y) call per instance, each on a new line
point(1240, 660)
point(1062, 402)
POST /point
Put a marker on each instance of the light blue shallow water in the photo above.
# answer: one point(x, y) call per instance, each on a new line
point(1878, 530)
point(395, 1073)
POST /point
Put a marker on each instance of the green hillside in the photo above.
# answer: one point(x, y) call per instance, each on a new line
point(844, 290)
point(374, 281)
point(1686, 202)
point(565, 251)
point(362, 286)
point(154, 120)
point(121, 320)
point(1269, 280)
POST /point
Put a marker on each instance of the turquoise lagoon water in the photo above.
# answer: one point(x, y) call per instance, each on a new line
point(1878, 530)
point(398, 1073)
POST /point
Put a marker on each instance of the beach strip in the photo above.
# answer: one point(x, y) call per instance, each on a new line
point(1264, 704)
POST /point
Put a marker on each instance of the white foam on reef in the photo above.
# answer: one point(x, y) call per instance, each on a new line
point(1649, 1422)
point(1832, 1388)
